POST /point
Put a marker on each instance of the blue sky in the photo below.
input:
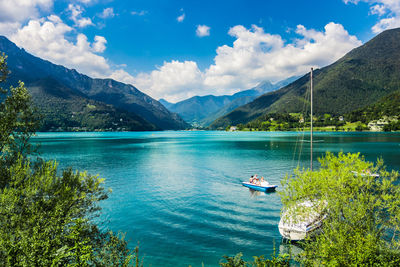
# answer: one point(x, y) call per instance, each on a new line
point(176, 49)
point(156, 36)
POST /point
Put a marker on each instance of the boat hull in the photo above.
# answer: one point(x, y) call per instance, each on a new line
point(297, 225)
point(294, 234)
point(269, 188)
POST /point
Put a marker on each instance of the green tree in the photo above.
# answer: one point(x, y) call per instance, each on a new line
point(18, 122)
point(46, 217)
point(363, 222)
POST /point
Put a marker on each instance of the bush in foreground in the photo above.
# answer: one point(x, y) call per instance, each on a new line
point(363, 222)
point(259, 261)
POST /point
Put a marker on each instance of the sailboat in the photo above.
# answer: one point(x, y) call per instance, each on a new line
point(303, 218)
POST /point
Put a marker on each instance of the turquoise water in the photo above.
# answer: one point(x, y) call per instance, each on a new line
point(179, 193)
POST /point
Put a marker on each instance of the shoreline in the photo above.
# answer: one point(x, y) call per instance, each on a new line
point(208, 130)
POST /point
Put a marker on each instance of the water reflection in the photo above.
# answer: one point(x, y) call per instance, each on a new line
point(255, 193)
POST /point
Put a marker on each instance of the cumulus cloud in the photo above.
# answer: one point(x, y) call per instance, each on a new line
point(122, 76)
point(387, 10)
point(77, 18)
point(46, 38)
point(181, 18)
point(20, 10)
point(99, 44)
point(254, 56)
point(202, 30)
point(8, 28)
point(174, 80)
point(107, 13)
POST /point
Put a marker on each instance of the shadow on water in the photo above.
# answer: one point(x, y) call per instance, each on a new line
point(255, 193)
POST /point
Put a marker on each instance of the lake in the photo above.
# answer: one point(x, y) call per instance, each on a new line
point(179, 194)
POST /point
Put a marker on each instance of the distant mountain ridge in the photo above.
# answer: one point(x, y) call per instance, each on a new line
point(202, 110)
point(28, 68)
point(360, 78)
point(66, 109)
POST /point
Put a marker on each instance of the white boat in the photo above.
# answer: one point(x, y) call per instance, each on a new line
point(366, 173)
point(302, 220)
point(263, 186)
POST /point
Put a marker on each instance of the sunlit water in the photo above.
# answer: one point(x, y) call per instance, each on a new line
point(179, 194)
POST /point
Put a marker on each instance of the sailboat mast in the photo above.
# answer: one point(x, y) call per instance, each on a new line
point(311, 130)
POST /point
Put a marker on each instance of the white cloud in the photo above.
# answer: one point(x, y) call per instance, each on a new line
point(385, 24)
point(202, 30)
point(12, 11)
point(378, 10)
point(174, 80)
point(387, 10)
point(99, 44)
point(139, 13)
point(253, 57)
point(8, 28)
point(86, 1)
point(76, 16)
point(122, 76)
point(181, 18)
point(46, 38)
point(256, 55)
point(107, 13)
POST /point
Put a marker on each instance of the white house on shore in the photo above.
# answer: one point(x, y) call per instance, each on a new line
point(377, 126)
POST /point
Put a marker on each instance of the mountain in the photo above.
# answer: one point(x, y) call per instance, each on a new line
point(65, 109)
point(28, 68)
point(202, 110)
point(245, 97)
point(358, 79)
point(388, 106)
point(196, 108)
point(165, 103)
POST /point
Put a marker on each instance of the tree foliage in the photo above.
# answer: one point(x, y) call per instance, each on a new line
point(387, 106)
point(363, 211)
point(259, 261)
point(18, 122)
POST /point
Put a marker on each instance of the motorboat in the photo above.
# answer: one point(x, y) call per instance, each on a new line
point(263, 186)
point(302, 219)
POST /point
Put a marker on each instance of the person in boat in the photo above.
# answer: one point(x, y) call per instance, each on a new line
point(263, 181)
point(251, 179)
point(256, 181)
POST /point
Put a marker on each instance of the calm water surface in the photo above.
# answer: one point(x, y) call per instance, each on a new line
point(179, 193)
